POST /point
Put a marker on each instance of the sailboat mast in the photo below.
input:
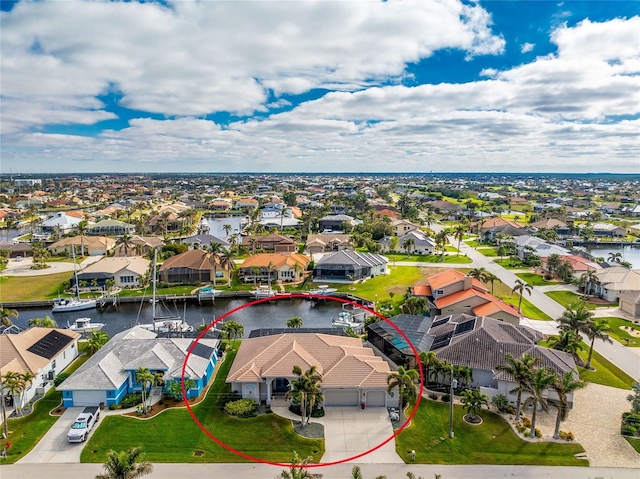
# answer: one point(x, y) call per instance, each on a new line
point(75, 271)
point(153, 300)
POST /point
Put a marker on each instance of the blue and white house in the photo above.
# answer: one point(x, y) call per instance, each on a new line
point(110, 373)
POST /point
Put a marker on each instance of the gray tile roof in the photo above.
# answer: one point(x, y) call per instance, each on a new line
point(352, 257)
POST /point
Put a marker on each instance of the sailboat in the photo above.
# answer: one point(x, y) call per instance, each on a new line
point(63, 305)
point(164, 324)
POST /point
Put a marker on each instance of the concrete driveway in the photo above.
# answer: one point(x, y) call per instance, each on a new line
point(23, 268)
point(53, 447)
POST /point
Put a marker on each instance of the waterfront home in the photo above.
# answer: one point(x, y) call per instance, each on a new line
point(110, 373)
point(111, 228)
point(138, 245)
point(349, 266)
point(326, 243)
point(289, 267)
point(192, 266)
point(61, 223)
point(416, 241)
point(614, 281)
point(271, 242)
point(125, 272)
point(83, 245)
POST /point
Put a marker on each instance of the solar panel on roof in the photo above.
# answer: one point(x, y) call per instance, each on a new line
point(439, 322)
point(202, 351)
point(441, 343)
point(464, 327)
point(50, 345)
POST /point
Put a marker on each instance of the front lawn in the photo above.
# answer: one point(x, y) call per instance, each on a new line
point(493, 442)
point(172, 436)
point(511, 263)
point(568, 298)
point(535, 279)
point(530, 310)
point(30, 288)
point(489, 252)
point(420, 258)
point(606, 373)
point(621, 335)
point(635, 442)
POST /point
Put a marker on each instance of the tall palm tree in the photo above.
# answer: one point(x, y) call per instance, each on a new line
point(520, 288)
point(491, 278)
point(521, 370)
point(214, 250)
point(297, 469)
point(232, 330)
point(541, 380)
point(597, 329)
point(6, 316)
point(590, 279)
point(564, 385)
point(576, 318)
point(428, 361)
point(306, 391)
point(442, 240)
point(82, 227)
point(478, 273)
point(458, 233)
point(125, 242)
point(125, 465)
point(553, 261)
point(407, 245)
point(568, 341)
point(227, 229)
point(226, 259)
point(145, 378)
point(294, 322)
point(405, 381)
point(46, 322)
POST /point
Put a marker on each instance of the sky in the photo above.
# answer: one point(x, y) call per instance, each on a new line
point(319, 86)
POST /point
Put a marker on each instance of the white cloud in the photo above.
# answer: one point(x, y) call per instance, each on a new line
point(527, 47)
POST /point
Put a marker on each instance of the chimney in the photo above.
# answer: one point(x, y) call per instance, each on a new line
point(468, 281)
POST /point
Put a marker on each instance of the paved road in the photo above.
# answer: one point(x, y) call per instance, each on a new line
point(392, 471)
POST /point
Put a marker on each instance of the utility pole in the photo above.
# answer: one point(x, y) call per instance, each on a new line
point(454, 385)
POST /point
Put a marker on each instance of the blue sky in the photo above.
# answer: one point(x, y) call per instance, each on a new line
point(307, 86)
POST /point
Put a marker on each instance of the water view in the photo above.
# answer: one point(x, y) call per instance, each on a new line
point(216, 226)
point(629, 253)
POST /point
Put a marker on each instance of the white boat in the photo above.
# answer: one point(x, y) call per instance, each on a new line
point(208, 293)
point(84, 325)
point(345, 320)
point(63, 305)
point(263, 292)
point(323, 290)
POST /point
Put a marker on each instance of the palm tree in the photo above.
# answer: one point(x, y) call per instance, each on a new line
point(521, 370)
point(125, 465)
point(520, 288)
point(408, 244)
point(441, 240)
point(294, 322)
point(568, 341)
point(478, 273)
point(96, 341)
point(227, 229)
point(82, 227)
point(297, 469)
point(405, 381)
point(564, 270)
point(539, 382)
point(615, 257)
point(576, 318)
point(214, 250)
point(12, 384)
point(590, 279)
point(6, 316)
point(306, 391)
point(473, 400)
point(553, 261)
point(226, 259)
point(145, 378)
point(125, 242)
point(489, 277)
point(458, 233)
point(232, 330)
point(597, 329)
point(46, 322)
point(564, 385)
point(429, 361)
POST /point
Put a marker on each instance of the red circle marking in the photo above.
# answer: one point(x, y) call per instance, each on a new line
point(288, 296)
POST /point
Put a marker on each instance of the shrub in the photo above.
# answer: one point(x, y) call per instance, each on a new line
point(433, 396)
point(538, 433)
point(562, 435)
point(241, 407)
point(113, 406)
point(570, 436)
point(59, 378)
point(500, 402)
point(520, 428)
point(130, 400)
point(526, 421)
point(316, 412)
point(511, 410)
point(628, 430)
point(446, 398)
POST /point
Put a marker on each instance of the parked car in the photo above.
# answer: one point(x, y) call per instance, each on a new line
point(18, 258)
point(83, 424)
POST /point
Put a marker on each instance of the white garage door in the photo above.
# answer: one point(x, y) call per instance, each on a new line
point(89, 398)
point(376, 398)
point(341, 397)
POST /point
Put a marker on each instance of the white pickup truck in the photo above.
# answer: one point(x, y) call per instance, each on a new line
point(83, 424)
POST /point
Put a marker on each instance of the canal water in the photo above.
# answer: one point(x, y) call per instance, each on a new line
point(629, 253)
point(272, 314)
point(216, 226)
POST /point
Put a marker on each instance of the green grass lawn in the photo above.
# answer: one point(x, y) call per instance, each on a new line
point(173, 436)
point(25, 432)
point(29, 288)
point(509, 263)
point(530, 310)
point(635, 442)
point(493, 442)
point(472, 243)
point(535, 279)
point(605, 373)
point(488, 252)
point(621, 335)
point(567, 298)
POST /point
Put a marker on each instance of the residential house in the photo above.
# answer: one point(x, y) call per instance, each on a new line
point(193, 266)
point(271, 242)
point(349, 266)
point(445, 207)
point(61, 223)
point(326, 243)
point(274, 267)
point(168, 222)
point(201, 241)
point(526, 245)
point(111, 228)
point(17, 249)
point(336, 222)
point(402, 227)
point(110, 373)
point(385, 338)
point(608, 230)
point(125, 272)
point(630, 303)
point(416, 241)
point(558, 226)
point(83, 245)
point(139, 246)
point(614, 281)
point(42, 352)
point(246, 204)
point(490, 227)
point(352, 375)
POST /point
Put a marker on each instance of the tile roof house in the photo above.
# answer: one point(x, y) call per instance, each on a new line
point(349, 266)
point(612, 282)
point(351, 373)
point(61, 222)
point(402, 227)
point(418, 242)
point(274, 267)
point(109, 374)
point(124, 271)
point(324, 243)
point(111, 228)
point(43, 352)
point(490, 227)
point(140, 246)
point(89, 245)
point(191, 266)
point(335, 222)
point(271, 242)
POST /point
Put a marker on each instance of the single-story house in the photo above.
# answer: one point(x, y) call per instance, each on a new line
point(490, 227)
point(630, 303)
point(87, 245)
point(351, 373)
point(271, 242)
point(17, 249)
point(527, 244)
point(110, 373)
point(274, 267)
point(325, 243)
point(349, 266)
point(335, 222)
point(418, 242)
point(191, 267)
point(608, 230)
point(124, 271)
point(43, 352)
point(612, 282)
point(202, 240)
point(558, 226)
point(140, 245)
point(111, 228)
point(61, 222)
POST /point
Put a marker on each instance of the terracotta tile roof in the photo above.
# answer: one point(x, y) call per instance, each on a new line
point(494, 306)
point(342, 361)
point(421, 290)
point(277, 260)
point(450, 276)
